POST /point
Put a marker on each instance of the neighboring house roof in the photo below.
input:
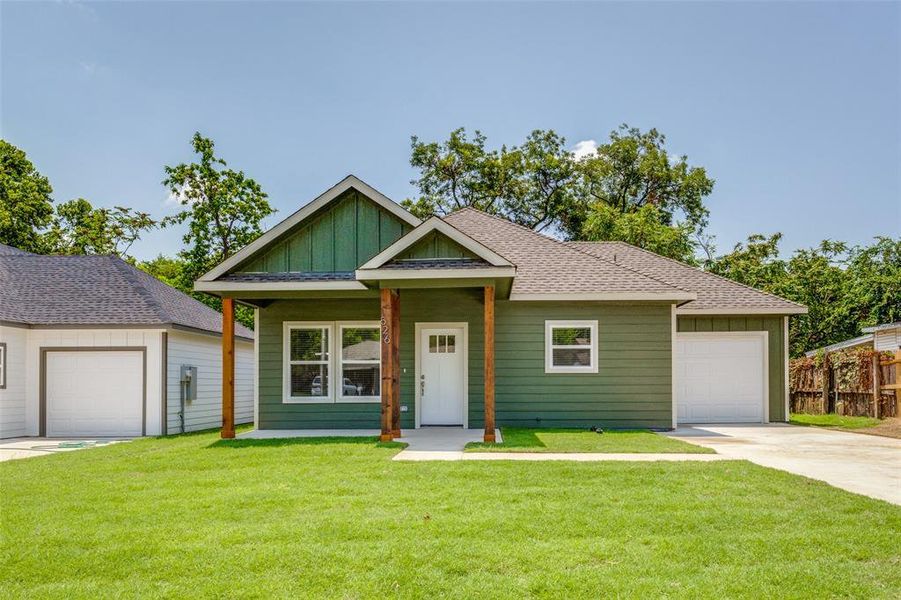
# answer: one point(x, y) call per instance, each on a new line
point(863, 340)
point(96, 291)
point(12, 251)
point(716, 295)
point(549, 269)
point(883, 327)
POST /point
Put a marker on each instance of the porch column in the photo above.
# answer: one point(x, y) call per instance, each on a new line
point(395, 361)
point(388, 343)
point(228, 368)
point(489, 363)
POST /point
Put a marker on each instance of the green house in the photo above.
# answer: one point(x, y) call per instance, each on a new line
point(368, 318)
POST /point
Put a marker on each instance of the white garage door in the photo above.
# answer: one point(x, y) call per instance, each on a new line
point(94, 393)
point(720, 377)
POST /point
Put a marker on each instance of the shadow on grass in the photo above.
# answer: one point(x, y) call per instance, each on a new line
point(304, 441)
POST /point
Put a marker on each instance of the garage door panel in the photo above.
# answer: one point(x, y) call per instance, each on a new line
point(94, 393)
point(720, 378)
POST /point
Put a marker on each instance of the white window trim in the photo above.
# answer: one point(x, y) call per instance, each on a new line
point(549, 326)
point(339, 357)
point(287, 326)
point(2, 365)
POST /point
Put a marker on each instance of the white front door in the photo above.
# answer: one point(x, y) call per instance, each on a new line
point(94, 393)
point(441, 376)
point(720, 377)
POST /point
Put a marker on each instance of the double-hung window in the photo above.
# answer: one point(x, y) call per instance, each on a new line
point(328, 362)
point(571, 346)
point(360, 363)
point(308, 362)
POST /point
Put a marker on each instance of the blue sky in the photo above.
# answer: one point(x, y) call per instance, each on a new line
point(794, 108)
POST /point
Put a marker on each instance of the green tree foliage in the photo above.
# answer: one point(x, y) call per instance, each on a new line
point(844, 288)
point(643, 228)
point(631, 189)
point(165, 268)
point(531, 184)
point(79, 228)
point(224, 210)
point(25, 203)
point(634, 169)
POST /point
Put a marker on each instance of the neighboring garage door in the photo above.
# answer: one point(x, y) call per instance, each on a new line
point(721, 377)
point(94, 393)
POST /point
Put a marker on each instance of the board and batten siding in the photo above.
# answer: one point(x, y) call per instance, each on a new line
point(12, 396)
point(632, 388)
point(633, 385)
point(341, 237)
point(777, 364)
point(205, 353)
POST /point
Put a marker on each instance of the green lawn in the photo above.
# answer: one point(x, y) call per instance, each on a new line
point(833, 421)
point(191, 516)
point(519, 439)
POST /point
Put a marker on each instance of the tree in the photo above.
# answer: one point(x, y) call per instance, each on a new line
point(634, 170)
point(754, 263)
point(79, 228)
point(529, 184)
point(643, 228)
point(25, 204)
point(165, 268)
point(224, 210)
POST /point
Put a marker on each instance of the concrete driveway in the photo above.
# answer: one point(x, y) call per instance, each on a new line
point(864, 464)
point(28, 447)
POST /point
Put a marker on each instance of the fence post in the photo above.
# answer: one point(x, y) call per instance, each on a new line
point(827, 371)
point(877, 383)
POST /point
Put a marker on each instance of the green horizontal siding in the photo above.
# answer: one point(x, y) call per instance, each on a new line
point(775, 349)
point(631, 389)
point(633, 385)
point(341, 237)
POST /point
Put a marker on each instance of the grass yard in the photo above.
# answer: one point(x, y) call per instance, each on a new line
point(518, 439)
point(195, 516)
point(833, 420)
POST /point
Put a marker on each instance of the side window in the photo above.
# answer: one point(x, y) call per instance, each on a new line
point(571, 346)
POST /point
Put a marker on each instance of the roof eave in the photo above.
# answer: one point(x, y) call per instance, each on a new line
point(603, 296)
point(738, 310)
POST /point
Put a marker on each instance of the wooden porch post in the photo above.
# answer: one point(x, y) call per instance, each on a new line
point(228, 368)
point(395, 362)
point(489, 364)
point(388, 341)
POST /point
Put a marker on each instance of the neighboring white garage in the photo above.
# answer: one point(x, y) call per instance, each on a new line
point(94, 393)
point(92, 347)
point(721, 377)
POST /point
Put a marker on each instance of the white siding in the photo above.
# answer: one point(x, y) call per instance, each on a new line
point(887, 340)
point(86, 338)
point(205, 353)
point(12, 398)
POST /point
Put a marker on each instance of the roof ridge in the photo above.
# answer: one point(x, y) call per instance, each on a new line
point(698, 269)
point(569, 247)
point(133, 275)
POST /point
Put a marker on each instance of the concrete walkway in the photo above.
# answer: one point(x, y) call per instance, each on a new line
point(864, 464)
point(29, 447)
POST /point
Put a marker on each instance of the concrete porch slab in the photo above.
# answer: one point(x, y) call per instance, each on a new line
point(29, 447)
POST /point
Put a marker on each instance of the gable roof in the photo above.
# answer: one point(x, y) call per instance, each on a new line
point(547, 269)
point(443, 227)
point(351, 181)
point(96, 291)
point(716, 295)
point(13, 251)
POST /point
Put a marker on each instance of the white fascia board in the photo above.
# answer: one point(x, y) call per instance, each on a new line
point(439, 225)
point(394, 274)
point(605, 296)
point(275, 286)
point(342, 186)
point(800, 310)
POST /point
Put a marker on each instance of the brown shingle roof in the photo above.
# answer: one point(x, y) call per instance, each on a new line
point(714, 292)
point(545, 266)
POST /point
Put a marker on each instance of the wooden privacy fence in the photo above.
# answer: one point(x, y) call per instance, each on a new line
point(850, 382)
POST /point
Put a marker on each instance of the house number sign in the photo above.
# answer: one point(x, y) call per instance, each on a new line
point(386, 336)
